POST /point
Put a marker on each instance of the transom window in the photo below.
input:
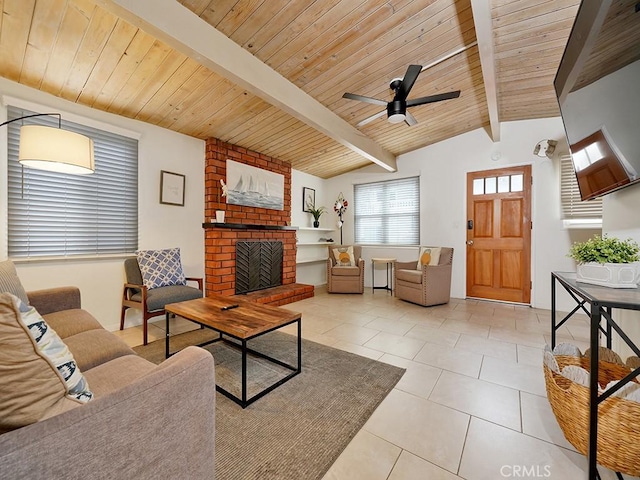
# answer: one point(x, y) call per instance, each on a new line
point(501, 184)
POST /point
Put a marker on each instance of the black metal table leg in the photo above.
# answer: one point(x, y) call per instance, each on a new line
point(244, 373)
point(166, 336)
point(593, 390)
point(553, 311)
point(299, 345)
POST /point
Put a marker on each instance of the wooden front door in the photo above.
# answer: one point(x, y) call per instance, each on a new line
point(499, 234)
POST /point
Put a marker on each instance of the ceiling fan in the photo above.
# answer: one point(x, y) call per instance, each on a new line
point(397, 108)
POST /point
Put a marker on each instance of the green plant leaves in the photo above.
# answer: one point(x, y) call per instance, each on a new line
point(602, 249)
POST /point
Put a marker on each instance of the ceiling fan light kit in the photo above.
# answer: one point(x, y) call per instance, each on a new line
point(397, 107)
point(396, 111)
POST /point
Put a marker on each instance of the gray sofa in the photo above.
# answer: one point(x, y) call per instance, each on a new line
point(145, 421)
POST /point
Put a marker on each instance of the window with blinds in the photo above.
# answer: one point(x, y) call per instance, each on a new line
point(388, 213)
point(54, 214)
point(573, 208)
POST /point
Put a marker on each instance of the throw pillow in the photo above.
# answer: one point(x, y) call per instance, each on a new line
point(344, 257)
point(9, 281)
point(429, 256)
point(161, 268)
point(39, 375)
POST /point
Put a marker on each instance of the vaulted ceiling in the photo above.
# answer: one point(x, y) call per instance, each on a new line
point(269, 75)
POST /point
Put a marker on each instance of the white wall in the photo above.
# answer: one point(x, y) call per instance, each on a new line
point(100, 280)
point(310, 273)
point(442, 168)
point(621, 220)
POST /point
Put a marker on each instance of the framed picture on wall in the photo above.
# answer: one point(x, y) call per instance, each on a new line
point(254, 187)
point(308, 198)
point(172, 188)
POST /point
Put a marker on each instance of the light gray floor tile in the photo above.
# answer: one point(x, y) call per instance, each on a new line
point(452, 359)
point(426, 429)
point(493, 452)
point(367, 457)
point(395, 344)
point(527, 378)
point(481, 399)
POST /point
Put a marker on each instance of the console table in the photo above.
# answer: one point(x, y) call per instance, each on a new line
point(601, 301)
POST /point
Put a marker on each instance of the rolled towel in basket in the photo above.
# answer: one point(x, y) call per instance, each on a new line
point(567, 349)
point(576, 374)
point(631, 391)
point(550, 361)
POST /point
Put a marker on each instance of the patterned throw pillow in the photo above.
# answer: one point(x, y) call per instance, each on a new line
point(429, 256)
point(39, 374)
point(161, 268)
point(344, 257)
point(9, 281)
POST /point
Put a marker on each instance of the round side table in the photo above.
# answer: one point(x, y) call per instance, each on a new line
point(389, 262)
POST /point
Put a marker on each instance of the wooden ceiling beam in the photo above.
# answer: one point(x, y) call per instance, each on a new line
point(181, 29)
point(484, 33)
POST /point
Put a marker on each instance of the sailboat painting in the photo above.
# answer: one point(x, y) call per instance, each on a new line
point(254, 187)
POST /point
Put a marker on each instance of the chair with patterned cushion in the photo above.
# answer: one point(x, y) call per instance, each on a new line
point(345, 269)
point(155, 279)
point(426, 281)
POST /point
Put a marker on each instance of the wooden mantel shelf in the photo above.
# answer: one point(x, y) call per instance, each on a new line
point(248, 226)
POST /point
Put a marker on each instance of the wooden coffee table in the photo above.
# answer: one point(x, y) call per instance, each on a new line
point(242, 321)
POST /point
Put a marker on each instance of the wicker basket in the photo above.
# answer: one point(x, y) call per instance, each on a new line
point(618, 419)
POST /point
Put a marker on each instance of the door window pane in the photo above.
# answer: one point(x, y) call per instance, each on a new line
point(503, 184)
point(478, 186)
point(490, 185)
point(517, 183)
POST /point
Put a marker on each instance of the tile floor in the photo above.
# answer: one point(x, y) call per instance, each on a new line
point(472, 402)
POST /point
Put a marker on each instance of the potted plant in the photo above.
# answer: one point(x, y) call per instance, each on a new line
point(607, 261)
point(316, 212)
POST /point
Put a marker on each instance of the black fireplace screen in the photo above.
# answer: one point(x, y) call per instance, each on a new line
point(258, 265)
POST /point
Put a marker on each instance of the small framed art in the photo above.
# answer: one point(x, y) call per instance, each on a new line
point(308, 198)
point(172, 188)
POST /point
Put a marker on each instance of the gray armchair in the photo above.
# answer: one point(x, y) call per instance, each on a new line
point(429, 286)
point(152, 301)
point(341, 279)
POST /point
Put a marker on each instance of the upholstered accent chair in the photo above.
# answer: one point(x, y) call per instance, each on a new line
point(349, 277)
point(151, 301)
point(430, 285)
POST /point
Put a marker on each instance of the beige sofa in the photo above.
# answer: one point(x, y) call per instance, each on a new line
point(145, 421)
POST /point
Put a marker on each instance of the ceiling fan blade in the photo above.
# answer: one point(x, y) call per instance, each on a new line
point(410, 119)
point(433, 98)
point(407, 82)
point(371, 118)
point(375, 101)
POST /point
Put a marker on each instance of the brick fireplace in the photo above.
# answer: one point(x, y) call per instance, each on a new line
point(243, 223)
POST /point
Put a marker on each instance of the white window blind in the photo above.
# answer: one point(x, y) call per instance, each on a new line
point(56, 214)
point(572, 206)
point(388, 213)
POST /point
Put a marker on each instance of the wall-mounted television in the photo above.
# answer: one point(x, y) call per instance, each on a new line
point(598, 89)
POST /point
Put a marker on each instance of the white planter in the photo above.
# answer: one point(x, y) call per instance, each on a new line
point(614, 275)
point(219, 216)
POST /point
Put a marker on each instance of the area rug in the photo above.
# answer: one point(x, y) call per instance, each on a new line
point(299, 429)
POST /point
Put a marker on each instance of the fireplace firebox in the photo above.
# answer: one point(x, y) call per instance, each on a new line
point(258, 265)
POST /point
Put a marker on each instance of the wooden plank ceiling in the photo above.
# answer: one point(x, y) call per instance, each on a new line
point(82, 51)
